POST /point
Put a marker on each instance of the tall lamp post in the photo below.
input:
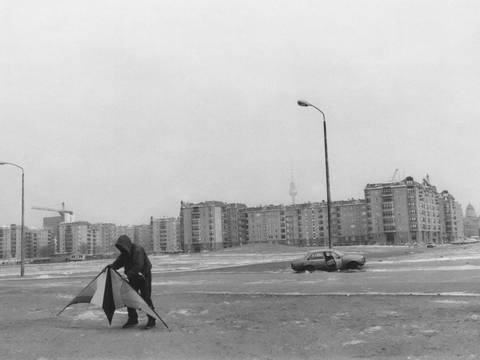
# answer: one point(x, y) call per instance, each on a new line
point(22, 241)
point(306, 104)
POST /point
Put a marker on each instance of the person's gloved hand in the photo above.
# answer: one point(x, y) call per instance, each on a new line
point(135, 277)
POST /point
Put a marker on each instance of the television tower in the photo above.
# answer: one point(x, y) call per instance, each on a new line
point(293, 190)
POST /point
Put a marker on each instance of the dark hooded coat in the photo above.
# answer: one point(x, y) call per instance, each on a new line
point(132, 257)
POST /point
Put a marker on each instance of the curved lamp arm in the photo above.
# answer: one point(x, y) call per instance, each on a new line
point(12, 164)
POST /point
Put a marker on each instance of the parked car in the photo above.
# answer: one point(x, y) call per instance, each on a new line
point(328, 260)
point(430, 245)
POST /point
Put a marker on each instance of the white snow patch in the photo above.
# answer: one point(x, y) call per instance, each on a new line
point(365, 293)
point(185, 312)
point(274, 281)
point(373, 329)
point(49, 284)
point(390, 313)
point(65, 296)
point(172, 282)
point(448, 301)
point(89, 315)
point(354, 342)
point(430, 259)
point(433, 268)
point(342, 315)
point(453, 293)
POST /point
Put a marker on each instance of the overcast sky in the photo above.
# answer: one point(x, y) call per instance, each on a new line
point(123, 108)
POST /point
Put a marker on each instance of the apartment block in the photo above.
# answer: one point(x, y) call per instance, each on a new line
point(307, 224)
point(267, 224)
point(165, 235)
point(451, 218)
point(349, 222)
point(201, 226)
point(403, 212)
point(51, 224)
point(76, 237)
point(105, 237)
point(460, 223)
point(234, 225)
point(142, 235)
point(36, 243)
point(125, 230)
point(16, 240)
point(5, 242)
point(471, 222)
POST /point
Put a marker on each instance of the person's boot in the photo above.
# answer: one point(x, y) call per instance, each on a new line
point(151, 323)
point(130, 323)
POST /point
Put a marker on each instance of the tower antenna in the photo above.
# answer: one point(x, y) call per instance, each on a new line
point(293, 189)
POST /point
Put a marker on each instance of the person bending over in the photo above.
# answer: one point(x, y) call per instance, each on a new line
point(137, 266)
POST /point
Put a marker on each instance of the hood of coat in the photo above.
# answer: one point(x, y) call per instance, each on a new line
point(124, 244)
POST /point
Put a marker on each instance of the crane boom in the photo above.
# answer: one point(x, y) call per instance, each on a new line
point(63, 213)
point(60, 211)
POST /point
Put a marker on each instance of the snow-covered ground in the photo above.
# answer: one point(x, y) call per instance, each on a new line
point(160, 264)
point(442, 258)
point(399, 306)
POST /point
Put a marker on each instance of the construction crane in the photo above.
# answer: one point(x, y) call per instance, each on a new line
point(61, 211)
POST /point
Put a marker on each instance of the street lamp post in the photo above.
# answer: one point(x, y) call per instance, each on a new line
point(306, 104)
point(22, 241)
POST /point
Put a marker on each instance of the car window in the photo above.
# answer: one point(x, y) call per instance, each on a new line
point(316, 256)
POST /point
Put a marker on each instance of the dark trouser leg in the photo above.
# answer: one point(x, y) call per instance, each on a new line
point(146, 293)
point(132, 313)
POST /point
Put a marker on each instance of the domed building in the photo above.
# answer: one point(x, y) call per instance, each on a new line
point(470, 211)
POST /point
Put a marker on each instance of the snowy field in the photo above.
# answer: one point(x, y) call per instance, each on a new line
point(407, 303)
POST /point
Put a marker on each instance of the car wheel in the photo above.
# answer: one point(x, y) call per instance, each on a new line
point(310, 268)
point(352, 265)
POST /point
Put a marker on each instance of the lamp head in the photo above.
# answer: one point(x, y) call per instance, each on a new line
point(303, 103)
